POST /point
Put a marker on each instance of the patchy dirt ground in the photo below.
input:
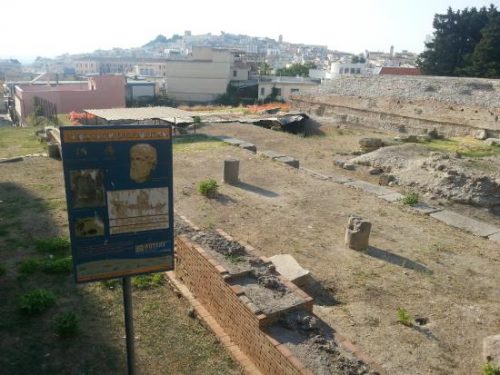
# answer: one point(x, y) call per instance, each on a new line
point(283, 210)
point(33, 206)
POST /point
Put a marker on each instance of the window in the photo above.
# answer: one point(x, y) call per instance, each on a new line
point(294, 90)
point(262, 91)
point(352, 70)
point(358, 70)
point(278, 92)
point(235, 73)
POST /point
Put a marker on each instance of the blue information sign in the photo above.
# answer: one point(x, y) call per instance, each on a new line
point(119, 194)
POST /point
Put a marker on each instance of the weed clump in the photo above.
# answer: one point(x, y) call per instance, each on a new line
point(57, 266)
point(3, 271)
point(208, 188)
point(491, 369)
point(28, 266)
point(148, 281)
point(37, 301)
point(66, 324)
point(404, 317)
point(53, 245)
point(410, 198)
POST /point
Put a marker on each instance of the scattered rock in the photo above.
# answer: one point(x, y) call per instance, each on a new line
point(375, 171)
point(385, 179)
point(339, 163)
point(349, 166)
point(493, 141)
point(481, 134)
point(191, 312)
point(421, 321)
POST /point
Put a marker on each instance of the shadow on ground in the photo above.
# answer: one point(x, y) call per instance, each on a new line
point(395, 259)
point(257, 190)
point(322, 295)
point(29, 343)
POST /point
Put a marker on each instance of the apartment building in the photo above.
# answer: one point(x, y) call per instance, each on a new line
point(96, 92)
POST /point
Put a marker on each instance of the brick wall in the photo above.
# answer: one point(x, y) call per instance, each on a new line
point(233, 311)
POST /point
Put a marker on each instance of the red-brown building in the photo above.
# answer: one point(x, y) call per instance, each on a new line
point(98, 92)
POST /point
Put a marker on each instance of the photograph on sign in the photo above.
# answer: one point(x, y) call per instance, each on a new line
point(138, 210)
point(118, 183)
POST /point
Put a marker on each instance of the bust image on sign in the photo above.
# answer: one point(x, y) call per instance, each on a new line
point(143, 160)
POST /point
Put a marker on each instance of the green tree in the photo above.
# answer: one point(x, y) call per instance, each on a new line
point(264, 69)
point(456, 35)
point(486, 56)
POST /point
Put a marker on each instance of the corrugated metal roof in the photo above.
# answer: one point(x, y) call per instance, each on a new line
point(140, 114)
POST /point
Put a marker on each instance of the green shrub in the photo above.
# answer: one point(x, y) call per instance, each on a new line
point(28, 266)
point(53, 245)
point(148, 281)
point(410, 198)
point(66, 324)
point(3, 271)
point(404, 317)
point(491, 369)
point(208, 188)
point(37, 301)
point(57, 265)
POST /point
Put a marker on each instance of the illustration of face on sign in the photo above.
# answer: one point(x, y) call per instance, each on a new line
point(142, 162)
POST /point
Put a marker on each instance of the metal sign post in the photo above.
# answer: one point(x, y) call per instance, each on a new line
point(129, 324)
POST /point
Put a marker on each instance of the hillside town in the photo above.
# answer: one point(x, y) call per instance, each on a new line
point(186, 69)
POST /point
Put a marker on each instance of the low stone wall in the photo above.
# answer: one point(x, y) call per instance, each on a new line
point(229, 306)
point(322, 109)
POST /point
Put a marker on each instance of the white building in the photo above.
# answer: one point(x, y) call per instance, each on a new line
point(204, 75)
point(284, 87)
point(344, 68)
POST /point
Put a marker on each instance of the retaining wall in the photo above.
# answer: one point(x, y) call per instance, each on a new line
point(233, 311)
point(326, 109)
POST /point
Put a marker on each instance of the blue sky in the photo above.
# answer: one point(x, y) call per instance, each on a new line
point(51, 27)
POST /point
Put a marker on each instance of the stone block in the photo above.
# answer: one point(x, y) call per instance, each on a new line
point(248, 146)
point(357, 233)
point(287, 266)
point(53, 151)
point(231, 171)
point(392, 198)
point(271, 154)
point(288, 160)
point(369, 188)
point(233, 141)
point(424, 208)
point(491, 349)
point(475, 227)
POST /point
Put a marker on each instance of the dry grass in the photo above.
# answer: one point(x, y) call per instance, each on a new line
point(167, 340)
